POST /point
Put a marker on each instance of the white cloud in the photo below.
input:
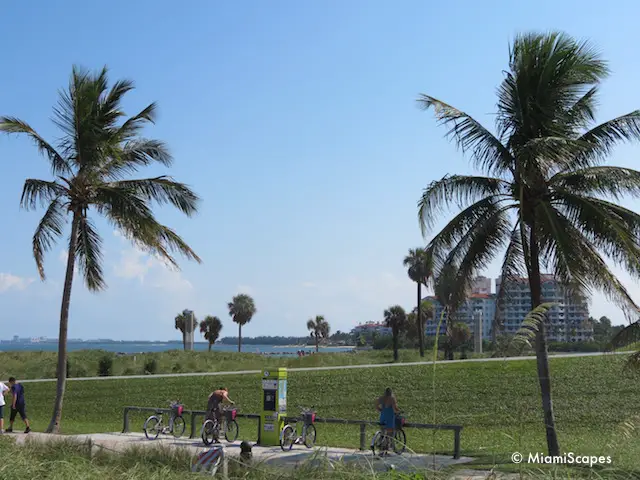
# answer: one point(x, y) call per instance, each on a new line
point(149, 270)
point(9, 281)
point(308, 284)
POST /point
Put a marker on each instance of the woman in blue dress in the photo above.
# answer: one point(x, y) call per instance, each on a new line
point(387, 405)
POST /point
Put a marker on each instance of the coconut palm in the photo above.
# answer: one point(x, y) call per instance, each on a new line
point(545, 194)
point(451, 296)
point(319, 328)
point(460, 336)
point(241, 309)
point(211, 328)
point(98, 149)
point(420, 270)
point(395, 318)
point(182, 321)
point(414, 329)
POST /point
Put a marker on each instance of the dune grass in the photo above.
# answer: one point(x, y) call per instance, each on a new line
point(497, 403)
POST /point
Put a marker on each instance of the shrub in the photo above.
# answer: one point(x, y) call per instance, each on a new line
point(105, 366)
point(151, 366)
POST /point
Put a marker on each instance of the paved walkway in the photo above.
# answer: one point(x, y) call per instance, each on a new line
point(274, 456)
point(334, 367)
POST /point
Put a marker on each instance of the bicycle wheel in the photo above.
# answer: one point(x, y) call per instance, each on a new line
point(209, 432)
point(287, 437)
point(309, 436)
point(377, 443)
point(399, 441)
point(152, 427)
point(178, 426)
point(232, 430)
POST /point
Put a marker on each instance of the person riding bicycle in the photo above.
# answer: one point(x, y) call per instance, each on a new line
point(214, 403)
point(387, 405)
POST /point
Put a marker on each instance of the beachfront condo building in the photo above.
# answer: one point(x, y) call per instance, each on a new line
point(567, 322)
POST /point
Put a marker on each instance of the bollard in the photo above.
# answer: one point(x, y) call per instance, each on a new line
point(193, 425)
point(363, 436)
point(456, 443)
point(125, 426)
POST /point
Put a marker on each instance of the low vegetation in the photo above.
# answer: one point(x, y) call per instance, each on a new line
point(496, 402)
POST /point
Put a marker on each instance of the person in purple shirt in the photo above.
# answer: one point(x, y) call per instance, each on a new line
point(18, 405)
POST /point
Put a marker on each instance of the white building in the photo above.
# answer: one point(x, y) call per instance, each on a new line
point(567, 322)
point(481, 285)
point(482, 301)
point(371, 327)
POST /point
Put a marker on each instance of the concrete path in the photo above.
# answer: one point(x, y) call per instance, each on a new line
point(335, 367)
point(272, 456)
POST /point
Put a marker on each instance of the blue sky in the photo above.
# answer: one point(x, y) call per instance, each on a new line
point(297, 124)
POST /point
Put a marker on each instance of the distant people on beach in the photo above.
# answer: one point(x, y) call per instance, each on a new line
point(3, 389)
point(18, 405)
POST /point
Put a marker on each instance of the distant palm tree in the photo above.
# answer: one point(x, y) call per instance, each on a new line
point(460, 336)
point(545, 195)
point(182, 321)
point(319, 328)
point(395, 318)
point(420, 269)
point(211, 328)
point(451, 297)
point(241, 309)
point(97, 150)
point(413, 328)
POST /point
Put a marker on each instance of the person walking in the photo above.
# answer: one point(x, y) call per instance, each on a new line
point(3, 389)
point(18, 405)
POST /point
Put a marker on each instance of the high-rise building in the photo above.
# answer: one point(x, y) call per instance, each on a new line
point(481, 285)
point(567, 322)
point(485, 302)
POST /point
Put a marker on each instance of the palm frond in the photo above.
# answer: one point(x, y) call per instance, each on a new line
point(48, 230)
point(132, 127)
point(576, 262)
point(89, 254)
point(59, 166)
point(526, 334)
point(133, 155)
point(488, 152)
point(611, 229)
point(510, 272)
point(628, 335)
point(604, 137)
point(163, 190)
point(459, 189)
point(38, 193)
point(611, 182)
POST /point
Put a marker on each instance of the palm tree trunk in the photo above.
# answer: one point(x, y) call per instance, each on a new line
point(542, 357)
point(54, 425)
point(239, 337)
point(184, 339)
point(210, 346)
point(317, 343)
point(395, 344)
point(420, 325)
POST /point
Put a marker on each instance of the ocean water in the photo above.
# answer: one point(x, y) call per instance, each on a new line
point(134, 347)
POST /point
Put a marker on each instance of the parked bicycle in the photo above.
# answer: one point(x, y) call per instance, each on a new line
point(397, 441)
point(289, 436)
point(154, 425)
point(211, 428)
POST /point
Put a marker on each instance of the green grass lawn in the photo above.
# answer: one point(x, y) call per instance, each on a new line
point(497, 403)
point(84, 363)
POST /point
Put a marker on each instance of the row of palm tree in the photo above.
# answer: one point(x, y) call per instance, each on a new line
point(210, 327)
point(242, 308)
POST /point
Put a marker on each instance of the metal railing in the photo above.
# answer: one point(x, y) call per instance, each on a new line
point(457, 429)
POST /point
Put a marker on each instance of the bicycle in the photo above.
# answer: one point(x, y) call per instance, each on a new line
point(153, 426)
point(210, 432)
point(398, 441)
point(289, 437)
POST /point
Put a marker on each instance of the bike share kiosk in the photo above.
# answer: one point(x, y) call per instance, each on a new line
point(274, 406)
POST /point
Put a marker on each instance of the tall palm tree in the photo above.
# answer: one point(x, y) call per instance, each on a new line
point(460, 336)
point(420, 270)
point(211, 328)
point(241, 309)
point(319, 328)
point(395, 318)
point(546, 195)
point(414, 329)
point(182, 321)
point(97, 150)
